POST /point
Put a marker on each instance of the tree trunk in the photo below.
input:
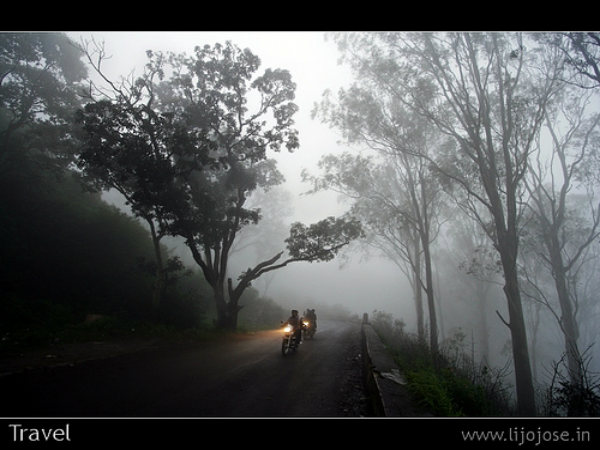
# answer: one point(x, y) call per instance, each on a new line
point(227, 311)
point(424, 229)
point(523, 377)
point(227, 320)
point(160, 274)
point(568, 323)
point(534, 341)
point(481, 301)
point(433, 331)
point(419, 307)
point(418, 293)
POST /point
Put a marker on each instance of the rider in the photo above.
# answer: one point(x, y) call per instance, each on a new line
point(296, 323)
point(312, 317)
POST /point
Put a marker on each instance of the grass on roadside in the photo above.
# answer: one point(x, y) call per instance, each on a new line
point(447, 385)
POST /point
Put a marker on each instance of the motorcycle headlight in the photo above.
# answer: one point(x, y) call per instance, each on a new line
point(305, 323)
point(287, 328)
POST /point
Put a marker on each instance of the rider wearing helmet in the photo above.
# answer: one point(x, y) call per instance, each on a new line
point(311, 317)
point(295, 321)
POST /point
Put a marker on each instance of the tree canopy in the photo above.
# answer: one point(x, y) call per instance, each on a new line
point(188, 142)
point(39, 78)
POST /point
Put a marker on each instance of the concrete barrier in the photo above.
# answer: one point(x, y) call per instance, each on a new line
point(384, 380)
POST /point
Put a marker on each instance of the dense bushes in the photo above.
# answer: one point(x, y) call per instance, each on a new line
point(259, 312)
point(444, 385)
point(66, 253)
point(564, 397)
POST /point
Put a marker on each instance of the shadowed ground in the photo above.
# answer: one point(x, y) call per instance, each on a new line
point(244, 376)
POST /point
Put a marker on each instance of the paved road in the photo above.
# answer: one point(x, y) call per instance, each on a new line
point(245, 378)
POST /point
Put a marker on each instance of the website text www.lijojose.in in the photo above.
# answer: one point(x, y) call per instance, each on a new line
point(524, 436)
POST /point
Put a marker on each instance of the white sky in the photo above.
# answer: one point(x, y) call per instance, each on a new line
point(313, 62)
point(360, 285)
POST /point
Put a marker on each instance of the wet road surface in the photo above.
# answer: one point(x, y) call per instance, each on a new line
point(248, 377)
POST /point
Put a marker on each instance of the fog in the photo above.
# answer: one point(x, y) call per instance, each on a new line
point(359, 284)
point(450, 180)
point(357, 280)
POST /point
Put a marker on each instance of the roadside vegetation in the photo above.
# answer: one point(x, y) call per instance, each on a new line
point(454, 385)
point(73, 267)
point(472, 162)
point(79, 270)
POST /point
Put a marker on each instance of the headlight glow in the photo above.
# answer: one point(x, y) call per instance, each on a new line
point(287, 328)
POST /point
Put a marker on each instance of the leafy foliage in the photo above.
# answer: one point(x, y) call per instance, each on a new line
point(65, 253)
point(39, 75)
point(321, 241)
point(187, 152)
point(259, 312)
point(237, 115)
point(80, 252)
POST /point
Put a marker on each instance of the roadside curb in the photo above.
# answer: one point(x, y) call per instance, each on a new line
point(383, 379)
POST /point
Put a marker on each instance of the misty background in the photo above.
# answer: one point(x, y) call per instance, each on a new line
point(313, 62)
point(361, 279)
point(387, 126)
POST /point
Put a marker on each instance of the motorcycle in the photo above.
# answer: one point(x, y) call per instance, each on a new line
point(289, 343)
point(309, 329)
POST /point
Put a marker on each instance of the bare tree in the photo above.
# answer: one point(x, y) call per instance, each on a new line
point(395, 193)
point(488, 92)
point(582, 53)
point(566, 229)
point(471, 252)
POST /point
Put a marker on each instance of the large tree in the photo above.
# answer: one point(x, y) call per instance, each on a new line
point(394, 193)
point(582, 53)
point(128, 145)
point(564, 204)
point(193, 149)
point(263, 239)
point(488, 93)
